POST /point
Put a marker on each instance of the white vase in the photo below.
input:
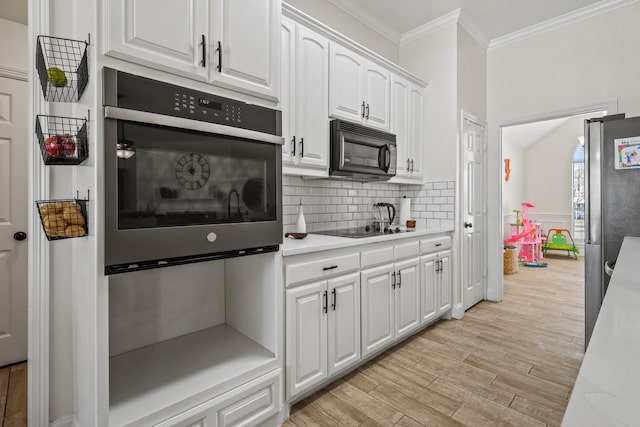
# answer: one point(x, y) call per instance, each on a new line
point(301, 224)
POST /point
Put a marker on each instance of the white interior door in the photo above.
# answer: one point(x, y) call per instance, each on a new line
point(13, 220)
point(474, 213)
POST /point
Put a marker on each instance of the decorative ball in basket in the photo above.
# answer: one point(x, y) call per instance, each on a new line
point(63, 219)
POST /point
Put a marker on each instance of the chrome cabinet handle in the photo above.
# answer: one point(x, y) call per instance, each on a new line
point(203, 43)
point(393, 280)
point(362, 109)
point(367, 111)
point(326, 302)
point(293, 146)
point(301, 147)
point(399, 279)
point(219, 56)
point(411, 165)
point(408, 163)
point(335, 299)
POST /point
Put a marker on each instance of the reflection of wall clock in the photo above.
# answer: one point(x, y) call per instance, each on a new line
point(192, 171)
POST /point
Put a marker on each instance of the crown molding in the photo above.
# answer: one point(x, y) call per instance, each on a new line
point(13, 73)
point(566, 19)
point(430, 27)
point(368, 19)
point(474, 30)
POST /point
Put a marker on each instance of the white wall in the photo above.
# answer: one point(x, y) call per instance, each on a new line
point(472, 76)
point(582, 64)
point(548, 168)
point(434, 59)
point(13, 45)
point(343, 22)
point(513, 191)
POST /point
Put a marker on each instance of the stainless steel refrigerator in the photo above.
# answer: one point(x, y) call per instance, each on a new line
point(612, 211)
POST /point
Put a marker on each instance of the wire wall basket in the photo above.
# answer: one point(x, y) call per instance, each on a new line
point(62, 68)
point(63, 218)
point(62, 140)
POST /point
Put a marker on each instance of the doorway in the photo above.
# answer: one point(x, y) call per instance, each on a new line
point(500, 211)
point(13, 220)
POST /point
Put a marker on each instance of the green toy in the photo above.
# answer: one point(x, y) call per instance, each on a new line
point(557, 241)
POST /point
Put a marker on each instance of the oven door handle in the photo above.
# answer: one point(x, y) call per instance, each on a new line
point(178, 122)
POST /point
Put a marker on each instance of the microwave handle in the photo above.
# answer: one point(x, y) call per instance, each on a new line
point(384, 157)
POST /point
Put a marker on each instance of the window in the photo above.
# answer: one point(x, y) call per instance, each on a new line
point(577, 189)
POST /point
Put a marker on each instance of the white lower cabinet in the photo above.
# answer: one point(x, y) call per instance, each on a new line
point(390, 295)
point(436, 285)
point(407, 296)
point(247, 405)
point(377, 308)
point(390, 303)
point(322, 330)
point(342, 307)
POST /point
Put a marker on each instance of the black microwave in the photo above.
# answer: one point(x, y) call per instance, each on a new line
point(361, 153)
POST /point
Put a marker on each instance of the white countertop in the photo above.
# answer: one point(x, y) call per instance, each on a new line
point(319, 242)
point(607, 390)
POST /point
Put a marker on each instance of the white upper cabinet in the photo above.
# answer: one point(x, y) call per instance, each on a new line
point(407, 101)
point(162, 34)
point(233, 44)
point(400, 123)
point(346, 99)
point(359, 90)
point(416, 130)
point(304, 100)
point(377, 96)
point(245, 46)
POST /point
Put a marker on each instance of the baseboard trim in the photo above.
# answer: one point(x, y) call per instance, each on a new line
point(63, 422)
point(457, 312)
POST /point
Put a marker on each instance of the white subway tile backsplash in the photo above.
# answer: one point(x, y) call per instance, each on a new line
point(330, 204)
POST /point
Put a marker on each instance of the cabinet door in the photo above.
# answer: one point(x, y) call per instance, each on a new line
point(377, 82)
point(407, 296)
point(288, 87)
point(344, 322)
point(445, 282)
point(416, 132)
point(306, 336)
point(346, 97)
point(162, 34)
point(377, 308)
point(248, 33)
point(312, 89)
point(428, 292)
point(400, 123)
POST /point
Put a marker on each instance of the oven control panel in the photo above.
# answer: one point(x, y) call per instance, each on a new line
point(140, 93)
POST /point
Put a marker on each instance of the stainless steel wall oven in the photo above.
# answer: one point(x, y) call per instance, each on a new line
point(189, 176)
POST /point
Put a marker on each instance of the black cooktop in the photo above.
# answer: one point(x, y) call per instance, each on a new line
point(360, 232)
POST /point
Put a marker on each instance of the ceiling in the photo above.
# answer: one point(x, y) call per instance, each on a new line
point(492, 19)
point(14, 10)
point(524, 135)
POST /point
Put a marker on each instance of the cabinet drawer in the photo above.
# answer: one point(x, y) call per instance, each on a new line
point(407, 250)
point(252, 403)
point(435, 244)
point(377, 256)
point(247, 405)
point(317, 269)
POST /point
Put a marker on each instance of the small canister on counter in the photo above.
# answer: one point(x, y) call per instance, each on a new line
point(510, 259)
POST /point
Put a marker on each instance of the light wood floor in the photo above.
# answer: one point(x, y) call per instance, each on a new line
point(13, 395)
point(512, 363)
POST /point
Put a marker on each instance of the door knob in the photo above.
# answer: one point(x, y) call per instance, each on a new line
point(20, 236)
point(468, 225)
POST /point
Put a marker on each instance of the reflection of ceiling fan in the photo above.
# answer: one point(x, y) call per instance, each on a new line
point(124, 147)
